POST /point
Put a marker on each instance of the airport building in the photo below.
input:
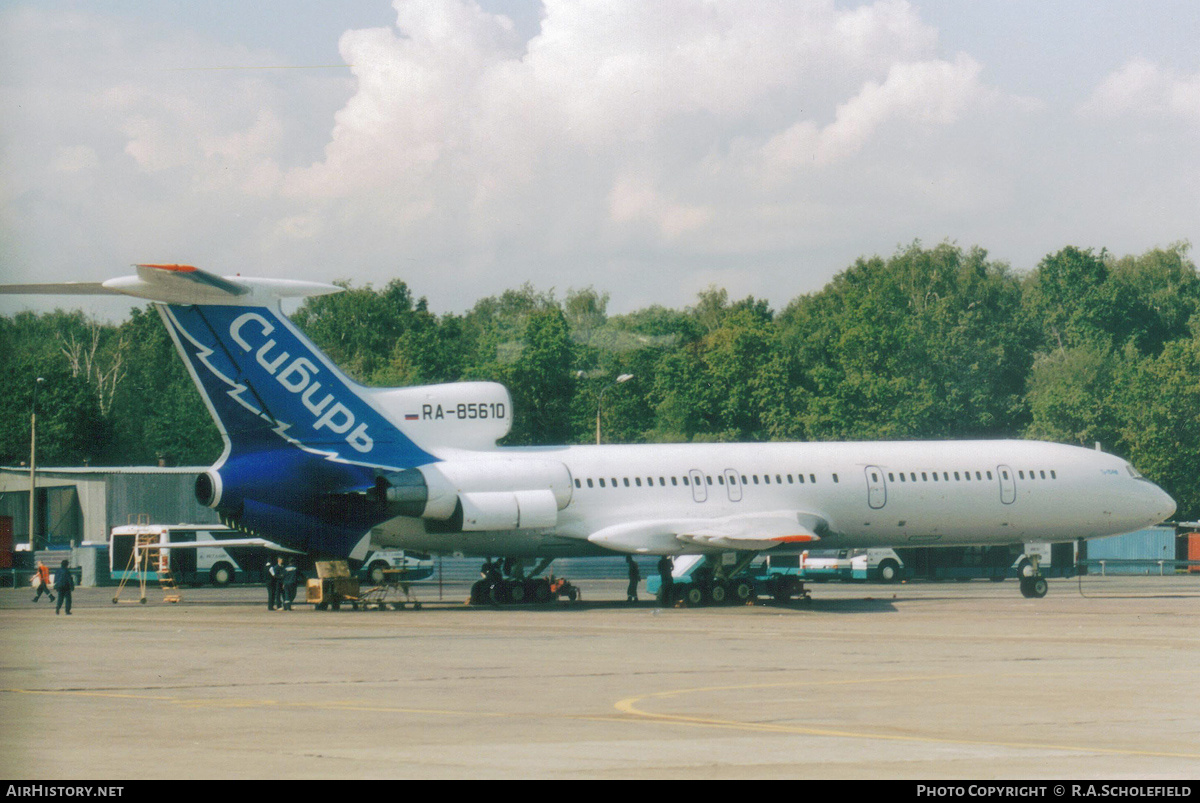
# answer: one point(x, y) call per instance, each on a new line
point(74, 505)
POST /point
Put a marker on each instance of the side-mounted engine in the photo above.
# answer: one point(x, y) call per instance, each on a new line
point(474, 495)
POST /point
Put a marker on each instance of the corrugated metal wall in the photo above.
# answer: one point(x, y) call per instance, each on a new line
point(1155, 543)
point(166, 498)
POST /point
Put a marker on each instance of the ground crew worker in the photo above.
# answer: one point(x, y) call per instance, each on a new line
point(635, 576)
point(64, 584)
point(665, 567)
point(273, 576)
point(43, 576)
point(291, 576)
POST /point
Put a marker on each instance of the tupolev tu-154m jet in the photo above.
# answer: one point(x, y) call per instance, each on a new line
point(319, 463)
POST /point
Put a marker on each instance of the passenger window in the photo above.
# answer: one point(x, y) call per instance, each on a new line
point(1021, 474)
point(812, 478)
point(835, 479)
point(767, 479)
point(685, 480)
point(778, 480)
point(790, 480)
point(590, 482)
point(935, 476)
point(708, 478)
point(602, 482)
point(1053, 476)
point(578, 484)
point(989, 475)
point(978, 476)
point(720, 479)
point(626, 481)
point(967, 475)
point(637, 481)
point(674, 480)
point(755, 476)
point(902, 478)
point(801, 476)
point(956, 476)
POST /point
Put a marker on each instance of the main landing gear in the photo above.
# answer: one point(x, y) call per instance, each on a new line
point(505, 583)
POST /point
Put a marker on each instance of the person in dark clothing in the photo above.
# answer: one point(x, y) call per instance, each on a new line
point(666, 593)
point(64, 584)
point(274, 573)
point(291, 576)
point(635, 576)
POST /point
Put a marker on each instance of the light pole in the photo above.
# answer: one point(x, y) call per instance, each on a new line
point(600, 400)
point(33, 462)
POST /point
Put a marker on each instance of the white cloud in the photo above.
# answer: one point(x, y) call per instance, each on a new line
point(642, 146)
point(1142, 87)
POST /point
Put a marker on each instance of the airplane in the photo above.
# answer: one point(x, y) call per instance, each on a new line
point(317, 462)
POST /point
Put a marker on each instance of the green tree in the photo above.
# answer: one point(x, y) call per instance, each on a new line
point(929, 343)
point(541, 382)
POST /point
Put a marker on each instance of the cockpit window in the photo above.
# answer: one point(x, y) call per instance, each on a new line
point(1133, 472)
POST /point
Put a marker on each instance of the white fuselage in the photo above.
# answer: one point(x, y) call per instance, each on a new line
point(914, 493)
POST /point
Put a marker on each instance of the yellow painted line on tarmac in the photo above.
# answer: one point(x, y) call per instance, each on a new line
point(630, 706)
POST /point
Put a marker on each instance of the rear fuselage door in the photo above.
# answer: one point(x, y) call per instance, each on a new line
point(876, 487)
point(1008, 484)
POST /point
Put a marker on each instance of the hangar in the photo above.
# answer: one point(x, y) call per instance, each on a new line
point(74, 505)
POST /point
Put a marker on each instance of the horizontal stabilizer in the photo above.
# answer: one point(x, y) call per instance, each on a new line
point(751, 532)
point(221, 543)
point(183, 284)
point(59, 289)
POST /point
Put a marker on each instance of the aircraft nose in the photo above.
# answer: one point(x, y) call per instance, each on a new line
point(1162, 504)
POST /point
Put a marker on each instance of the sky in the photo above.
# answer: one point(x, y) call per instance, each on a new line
point(647, 150)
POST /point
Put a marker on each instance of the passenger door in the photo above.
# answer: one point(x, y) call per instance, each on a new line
point(876, 487)
point(699, 492)
point(1008, 484)
point(733, 484)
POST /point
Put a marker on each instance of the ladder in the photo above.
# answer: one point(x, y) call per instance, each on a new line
point(161, 559)
point(148, 552)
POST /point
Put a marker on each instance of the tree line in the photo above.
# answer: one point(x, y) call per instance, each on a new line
point(929, 343)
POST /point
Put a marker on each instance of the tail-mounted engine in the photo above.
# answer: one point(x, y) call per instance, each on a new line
point(475, 495)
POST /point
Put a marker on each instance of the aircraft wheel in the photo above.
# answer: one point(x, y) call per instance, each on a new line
point(1034, 587)
point(480, 592)
point(694, 596)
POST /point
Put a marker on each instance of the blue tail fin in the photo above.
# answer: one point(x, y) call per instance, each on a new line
point(267, 386)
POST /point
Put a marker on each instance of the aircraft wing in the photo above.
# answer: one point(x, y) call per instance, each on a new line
point(751, 531)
